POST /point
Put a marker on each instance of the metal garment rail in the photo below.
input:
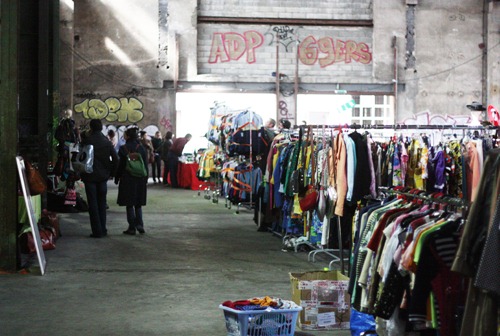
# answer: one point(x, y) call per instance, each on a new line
point(331, 252)
point(459, 203)
point(404, 127)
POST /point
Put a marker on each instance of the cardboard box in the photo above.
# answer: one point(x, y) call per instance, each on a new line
point(324, 299)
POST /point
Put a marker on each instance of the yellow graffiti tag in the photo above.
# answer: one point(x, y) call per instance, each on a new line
point(113, 105)
point(97, 109)
point(131, 110)
point(112, 109)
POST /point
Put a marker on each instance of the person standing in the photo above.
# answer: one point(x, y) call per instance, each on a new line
point(68, 136)
point(270, 123)
point(156, 165)
point(284, 124)
point(132, 190)
point(164, 149)
point(148, 146)
point(96, 187)
point(269, 128)
point(173, 158)
point(113, 138)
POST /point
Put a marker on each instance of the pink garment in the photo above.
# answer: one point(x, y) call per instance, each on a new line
point(473, 171)
point(404, 163)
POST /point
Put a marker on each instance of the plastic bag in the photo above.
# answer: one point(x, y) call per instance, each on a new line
point(361, 322)
point(84, 160)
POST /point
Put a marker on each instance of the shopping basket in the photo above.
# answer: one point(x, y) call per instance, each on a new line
point(268, 322)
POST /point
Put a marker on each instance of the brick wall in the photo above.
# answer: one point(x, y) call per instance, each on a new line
point(250, 50)
point(310, 9)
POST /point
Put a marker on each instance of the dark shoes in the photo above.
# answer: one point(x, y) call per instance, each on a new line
point(131, 232)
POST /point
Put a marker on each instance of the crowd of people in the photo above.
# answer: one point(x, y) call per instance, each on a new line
point(110, 161)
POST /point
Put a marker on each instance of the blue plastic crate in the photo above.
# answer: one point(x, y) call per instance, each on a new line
point(269, 322)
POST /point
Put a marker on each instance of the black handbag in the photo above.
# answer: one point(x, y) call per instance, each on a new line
point(297, 181)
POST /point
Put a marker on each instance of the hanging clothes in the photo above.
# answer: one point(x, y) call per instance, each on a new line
point(482, 306)
point(362, 173)
point(402, 256)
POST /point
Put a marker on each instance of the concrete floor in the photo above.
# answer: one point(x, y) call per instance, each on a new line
point(195, 255)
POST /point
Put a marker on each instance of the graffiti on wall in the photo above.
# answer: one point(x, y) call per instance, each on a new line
point(111, 109)
point(285, 35)
point(120, 130)
point(448, 122)
point(325, 51)
point(166, 123)
point(283, 110)
point(426, 118)
point(232, 46)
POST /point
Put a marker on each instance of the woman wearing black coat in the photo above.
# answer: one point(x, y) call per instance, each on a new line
point(164, 148)
point(132, 191)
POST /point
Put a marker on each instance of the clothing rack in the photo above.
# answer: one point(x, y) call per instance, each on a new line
point(457, 203)
point(404, 127)
point(330, 252)
point(460, 203)
point(426, 198)
point(250, 204)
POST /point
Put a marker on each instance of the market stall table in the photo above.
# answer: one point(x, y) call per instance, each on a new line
point(186, 175)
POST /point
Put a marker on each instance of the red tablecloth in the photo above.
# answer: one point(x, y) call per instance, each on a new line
point(186, 176)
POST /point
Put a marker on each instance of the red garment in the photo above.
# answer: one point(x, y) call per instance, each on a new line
point(233, 304)
point(178, 146)
point(379, 230)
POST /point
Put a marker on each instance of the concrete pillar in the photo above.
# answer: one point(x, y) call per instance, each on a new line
point(9, 18)
point(66, 37)
point(493, 63)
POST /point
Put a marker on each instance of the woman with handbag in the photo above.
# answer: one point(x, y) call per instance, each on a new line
point(96, 182)
point(132, 190)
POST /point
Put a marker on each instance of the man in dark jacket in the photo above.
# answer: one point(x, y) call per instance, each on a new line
point(173, 158)
point(96, 183)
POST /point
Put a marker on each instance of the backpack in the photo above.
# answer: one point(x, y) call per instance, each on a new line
point(135, 165)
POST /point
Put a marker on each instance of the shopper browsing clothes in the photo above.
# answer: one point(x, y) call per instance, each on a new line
point(96, 187)
point(284, 124)
point(156, 165)
point(269, 128)
point(132, 191)
point(173, 158)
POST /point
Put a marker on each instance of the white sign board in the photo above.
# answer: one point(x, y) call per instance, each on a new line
point(21, 168)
